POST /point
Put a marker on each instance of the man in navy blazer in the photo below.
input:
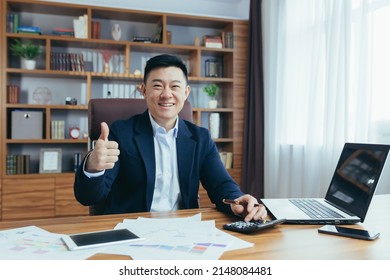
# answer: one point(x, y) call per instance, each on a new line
point(154, 161)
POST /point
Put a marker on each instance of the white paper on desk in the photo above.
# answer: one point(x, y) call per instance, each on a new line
point(194, 218)
point(38, 245)
point(15, 233)
point(176, 238)
point(234, 243)
point(202, 251)
point(168, 233)
point(168, 240)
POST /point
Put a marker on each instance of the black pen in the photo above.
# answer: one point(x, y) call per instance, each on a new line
point(236, 202)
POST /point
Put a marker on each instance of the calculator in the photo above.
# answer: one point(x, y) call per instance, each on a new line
point(252, 226)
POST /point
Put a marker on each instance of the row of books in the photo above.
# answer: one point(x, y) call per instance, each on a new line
point(227, 159)
point(57, 129)
point(13, 94)
point(17, 164)
point(12, 23)
point(67, 61)
point(225, 40)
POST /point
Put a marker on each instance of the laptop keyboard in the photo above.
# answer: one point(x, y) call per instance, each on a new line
point(315, 209)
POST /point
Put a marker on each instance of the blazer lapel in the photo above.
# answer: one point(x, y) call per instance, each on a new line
point(185, 146)
point(145, 143)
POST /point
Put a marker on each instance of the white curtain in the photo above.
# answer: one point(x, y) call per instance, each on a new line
point(327, 82)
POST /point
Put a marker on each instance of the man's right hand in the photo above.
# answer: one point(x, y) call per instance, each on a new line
point(105, 153)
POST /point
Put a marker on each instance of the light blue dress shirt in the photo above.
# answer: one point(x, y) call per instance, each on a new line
point(166, 196)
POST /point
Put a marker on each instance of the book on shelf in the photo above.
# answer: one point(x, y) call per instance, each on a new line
point(58, 129)
point(143, 39)
point(12, 23)
point(29, 30)
point(95, 30)
point(63, 32)
point(217, 45)
point(169, 37)
point(227, 40)
point(77, 161)
point(227, 159)
point(13, 94)
point(17, 164)
point(80, 27)
point(212, 41)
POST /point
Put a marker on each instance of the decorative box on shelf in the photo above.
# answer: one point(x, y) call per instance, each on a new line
point(26, 125)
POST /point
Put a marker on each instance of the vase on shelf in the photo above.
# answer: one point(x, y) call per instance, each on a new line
point(213, 103)
point(28, 64)
point(214, 125)
point(116, 32)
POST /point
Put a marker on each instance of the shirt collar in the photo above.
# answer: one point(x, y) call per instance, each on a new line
point(156, 126)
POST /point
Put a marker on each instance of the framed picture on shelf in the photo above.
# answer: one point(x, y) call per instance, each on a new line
point(50, 161)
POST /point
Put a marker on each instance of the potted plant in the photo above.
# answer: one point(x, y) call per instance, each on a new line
point(27, 51)
point(212, 91)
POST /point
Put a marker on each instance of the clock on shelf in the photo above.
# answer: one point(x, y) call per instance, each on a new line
point(74, 132)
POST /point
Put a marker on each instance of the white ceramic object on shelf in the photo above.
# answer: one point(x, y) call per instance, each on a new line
point(213, 103)
point(116, 32)
point(28, 64)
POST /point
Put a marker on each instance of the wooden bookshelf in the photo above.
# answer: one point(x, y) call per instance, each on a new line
point(20, 193)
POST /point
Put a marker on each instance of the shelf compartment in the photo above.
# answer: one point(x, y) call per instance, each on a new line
point(68, 150)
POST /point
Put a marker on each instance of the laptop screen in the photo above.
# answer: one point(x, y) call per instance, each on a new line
point(356, 177)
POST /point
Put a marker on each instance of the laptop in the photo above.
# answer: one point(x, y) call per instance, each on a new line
point(349, 194)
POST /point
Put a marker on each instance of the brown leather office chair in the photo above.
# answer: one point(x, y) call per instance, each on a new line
point(111, 109)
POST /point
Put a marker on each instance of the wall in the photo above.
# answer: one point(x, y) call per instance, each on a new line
point(236, 9)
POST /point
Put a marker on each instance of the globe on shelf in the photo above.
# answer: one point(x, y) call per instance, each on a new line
point(41, 95)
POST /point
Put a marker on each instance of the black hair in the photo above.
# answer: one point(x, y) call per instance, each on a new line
point(165, 60)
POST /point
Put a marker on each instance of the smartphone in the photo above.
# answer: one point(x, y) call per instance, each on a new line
point(349, 232)
point(99, 238)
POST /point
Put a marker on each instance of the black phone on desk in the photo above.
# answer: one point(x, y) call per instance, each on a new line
point(349, 232)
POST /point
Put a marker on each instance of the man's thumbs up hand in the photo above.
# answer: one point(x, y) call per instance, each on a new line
point(105, 153)
point(104, 131)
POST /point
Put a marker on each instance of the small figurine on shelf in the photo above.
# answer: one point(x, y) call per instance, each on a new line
point(107, 54)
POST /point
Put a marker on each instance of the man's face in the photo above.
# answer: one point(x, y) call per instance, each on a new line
point(165, 92)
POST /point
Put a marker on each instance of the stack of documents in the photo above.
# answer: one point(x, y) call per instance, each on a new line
point(177, 239)
point(164, 239)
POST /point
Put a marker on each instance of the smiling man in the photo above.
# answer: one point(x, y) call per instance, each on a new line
point(155, 161)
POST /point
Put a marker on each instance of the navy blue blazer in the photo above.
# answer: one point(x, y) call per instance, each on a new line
point(129, 186)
